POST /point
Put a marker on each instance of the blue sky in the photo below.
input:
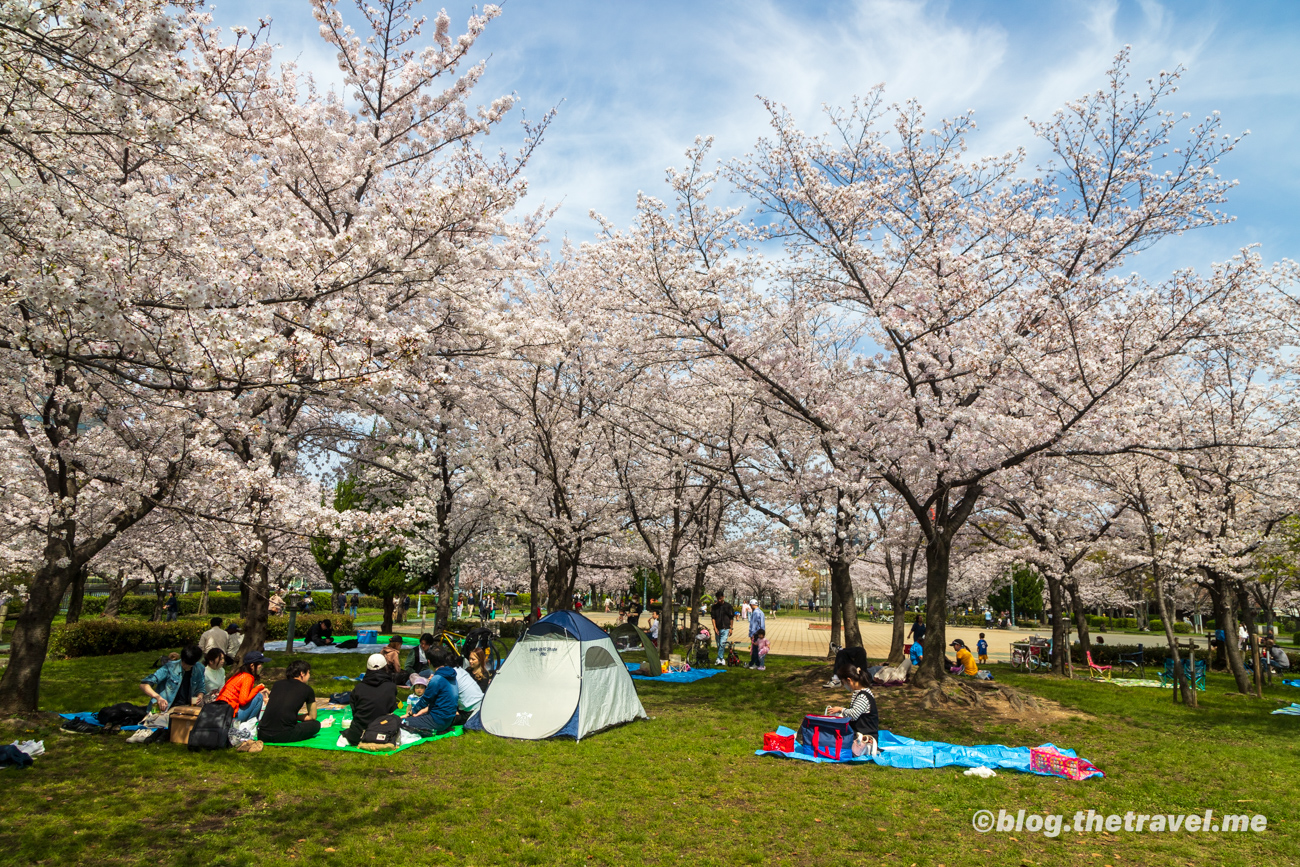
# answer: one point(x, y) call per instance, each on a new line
point(635, 82)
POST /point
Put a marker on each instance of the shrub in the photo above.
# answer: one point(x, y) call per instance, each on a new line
point(1156, 624)
point(96, 637)
point(219, 604)
point(1181, 628)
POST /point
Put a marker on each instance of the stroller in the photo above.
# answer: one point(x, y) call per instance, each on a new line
point(700, 647)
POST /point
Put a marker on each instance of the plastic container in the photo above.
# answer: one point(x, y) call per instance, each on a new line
point(367, 636)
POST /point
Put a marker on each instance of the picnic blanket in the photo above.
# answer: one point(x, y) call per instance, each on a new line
point(328, 737)
point(301, 647)
point(1293, 710)
point(1132, 681)
point(93, 719)
point(676, 676)
point(1292, 682)
point(897, 751)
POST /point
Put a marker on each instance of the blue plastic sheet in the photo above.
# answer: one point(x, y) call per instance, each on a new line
point(88, 716)
point(1292, 682)
point(676, 676)
point(897, 751)
point(1293, 710)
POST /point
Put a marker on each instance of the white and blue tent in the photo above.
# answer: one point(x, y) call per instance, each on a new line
point(563, 678)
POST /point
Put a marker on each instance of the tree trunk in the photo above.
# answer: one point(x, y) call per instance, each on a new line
point(1183, 678)
point(560, 581)
point(442, 614)
point(1060, 647)
point(1226, 618)
point(1080, 615)
point(20, 686)
point(205, 581)
point(697, 594)
point(78, 598)
point(246, 590)
point(387, 626)
point(898, 604)
point(117, 590)
point(666, 637)
point(836, 637)
point(259, 606)
point(842, 580)
point(159, 599)
point(938, 551)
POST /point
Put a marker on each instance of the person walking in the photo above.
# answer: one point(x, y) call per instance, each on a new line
point(723, 615)
point(757, 624)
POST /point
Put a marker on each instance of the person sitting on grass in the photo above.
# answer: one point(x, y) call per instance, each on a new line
point(420, 658)
point(214, 637)
point(242, 691)
point(965, 665)
point(916, 653)
point(373, 697)
point(863, 712)
point(234, 638)
point(321, 633)
point(214, 671)
point(393, 660)
point(178, 682)
point(468, 693)
point(1277, 657)
point(431, 708)
point(291, 710)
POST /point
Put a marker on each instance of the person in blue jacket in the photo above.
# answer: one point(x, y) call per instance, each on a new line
point(916, 653)
point(179, 682)
point(432, 710)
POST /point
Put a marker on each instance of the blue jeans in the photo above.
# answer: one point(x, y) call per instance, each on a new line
point(723, 635)
point(250, 710)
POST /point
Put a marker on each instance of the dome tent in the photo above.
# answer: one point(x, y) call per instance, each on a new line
point(563, 678)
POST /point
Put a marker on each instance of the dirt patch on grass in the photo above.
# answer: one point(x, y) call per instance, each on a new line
point(958, 702)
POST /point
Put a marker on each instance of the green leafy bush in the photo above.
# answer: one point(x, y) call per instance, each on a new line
point(1181, 628)
point(99, 637)
point(219, 604)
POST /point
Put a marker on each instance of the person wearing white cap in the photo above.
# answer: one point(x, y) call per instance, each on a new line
point(757, 623)
point(374, 697)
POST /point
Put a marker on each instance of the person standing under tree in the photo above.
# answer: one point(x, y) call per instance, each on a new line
point(757, 624)
point(723, 615)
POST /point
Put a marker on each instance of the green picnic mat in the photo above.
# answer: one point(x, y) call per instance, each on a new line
point(328, 737)
point(407, 640)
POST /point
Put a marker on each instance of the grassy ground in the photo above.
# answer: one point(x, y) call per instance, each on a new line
point(681, 788)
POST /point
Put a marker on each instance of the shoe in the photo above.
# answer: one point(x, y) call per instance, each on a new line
point(249, 747)
point(832, 683)
point(81, 727)
point(751, 666)
point(762, 668)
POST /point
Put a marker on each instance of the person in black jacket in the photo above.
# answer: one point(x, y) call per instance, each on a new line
point(374, 697)
point(320, 633)
point(722, 615)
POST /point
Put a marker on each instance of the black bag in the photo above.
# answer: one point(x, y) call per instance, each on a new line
point(341, 698)
point(212, 729)
point(385, 730)
point(350, 644)
point(123, 714)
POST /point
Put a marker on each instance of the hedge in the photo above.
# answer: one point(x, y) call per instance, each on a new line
point(218, 604)
point(102, 637)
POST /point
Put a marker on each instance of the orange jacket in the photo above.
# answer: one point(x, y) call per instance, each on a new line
point(239, 690)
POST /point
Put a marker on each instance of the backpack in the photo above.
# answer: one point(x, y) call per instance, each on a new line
point(123, 714)
point(827, 737)
point(341, 697)
point(382, 734)
point(212, 729)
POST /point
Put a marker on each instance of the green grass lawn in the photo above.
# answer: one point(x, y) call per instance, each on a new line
point(681, 788)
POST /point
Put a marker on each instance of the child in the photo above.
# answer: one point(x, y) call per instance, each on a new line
point(863, 713)
point(758, 648)
point(915, 653)
point(416, 717)
point(983, 647)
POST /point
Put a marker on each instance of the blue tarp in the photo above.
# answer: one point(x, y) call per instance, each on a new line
point(1293, 710)
point(897, 751)
point(88, 716)
point(1292, 682)
point(676, 676)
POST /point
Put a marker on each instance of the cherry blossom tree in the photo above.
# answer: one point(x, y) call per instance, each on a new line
point(1000, 323)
